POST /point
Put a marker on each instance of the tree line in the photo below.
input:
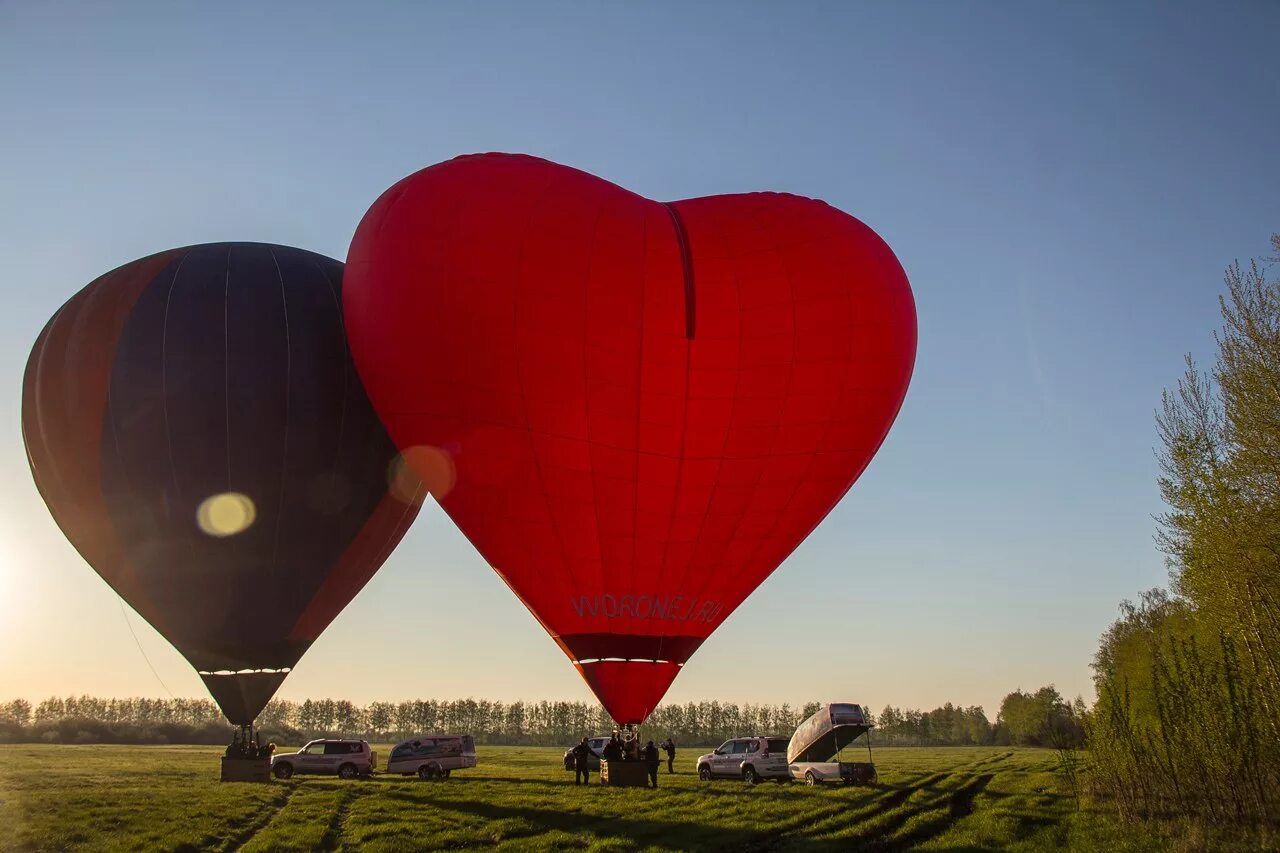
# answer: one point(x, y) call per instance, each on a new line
point(89, 719)
point(1187, 719)
point(1042, 718)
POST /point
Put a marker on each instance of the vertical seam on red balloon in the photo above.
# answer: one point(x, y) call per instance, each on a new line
point(164, 376)
point(777, 428)
point(524, 401)
point(586, 391)
point(709, 580)
point(288, 388)
point(684, 431)
point(686, 264)
point(635, 516)
point(902, 398)
point(719, 460)
point(848, 364)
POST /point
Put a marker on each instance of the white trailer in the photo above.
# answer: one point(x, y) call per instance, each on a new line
point(432, 756)
point(815, 755)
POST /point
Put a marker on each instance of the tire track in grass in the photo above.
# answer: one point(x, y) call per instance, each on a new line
point(338, 823)
point(238, 841)
point(874, 828)
point(942, 816)
point(877, 827)
point(877, 817)
point(845, 816)
point(993, 759)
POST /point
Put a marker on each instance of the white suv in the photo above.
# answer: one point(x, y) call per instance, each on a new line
point(346, 758)
point(748, 758)
point(597, 745)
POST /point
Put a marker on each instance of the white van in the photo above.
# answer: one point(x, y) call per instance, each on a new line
point(432, 756)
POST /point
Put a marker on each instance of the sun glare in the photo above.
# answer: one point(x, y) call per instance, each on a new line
point(226, 514)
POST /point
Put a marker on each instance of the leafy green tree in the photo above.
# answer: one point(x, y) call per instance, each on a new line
point(18, 711)
point(1188, 681)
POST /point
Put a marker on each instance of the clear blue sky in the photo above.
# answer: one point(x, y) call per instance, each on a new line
point(1063, 183)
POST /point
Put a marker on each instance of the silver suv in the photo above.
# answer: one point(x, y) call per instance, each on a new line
point(751, 759)
point(345, 758)
point(597, 745)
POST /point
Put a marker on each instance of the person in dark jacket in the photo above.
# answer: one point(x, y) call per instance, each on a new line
point(669, 746)
point(582, 770)
point(613, 749)
point(649, 755)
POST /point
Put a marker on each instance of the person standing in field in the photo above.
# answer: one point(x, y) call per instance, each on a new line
point(582, 770)
point(650, 757)
point(669, 746)
point(613, 749)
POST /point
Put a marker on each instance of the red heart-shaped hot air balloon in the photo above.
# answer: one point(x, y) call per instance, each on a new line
point(634, 410)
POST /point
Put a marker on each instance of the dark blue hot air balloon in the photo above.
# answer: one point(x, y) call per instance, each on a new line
point(195, 425)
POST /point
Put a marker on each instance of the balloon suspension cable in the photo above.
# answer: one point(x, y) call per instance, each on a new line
point(141, 651)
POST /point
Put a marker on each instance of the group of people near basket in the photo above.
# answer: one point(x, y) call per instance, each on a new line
point(624, 747)
point(245, 745)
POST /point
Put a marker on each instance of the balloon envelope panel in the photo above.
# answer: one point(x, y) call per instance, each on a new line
point(195, 424)
point(647, 406)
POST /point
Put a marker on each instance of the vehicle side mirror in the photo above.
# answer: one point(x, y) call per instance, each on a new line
point(718, 752)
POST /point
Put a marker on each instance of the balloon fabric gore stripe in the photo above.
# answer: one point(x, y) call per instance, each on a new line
point(646, 407)
point(195, 424)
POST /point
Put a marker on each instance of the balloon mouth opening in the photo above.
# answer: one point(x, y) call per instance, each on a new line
point(264, 671)
point(627, 660)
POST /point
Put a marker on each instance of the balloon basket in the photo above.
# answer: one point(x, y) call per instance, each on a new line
point(246, 760)
point(246, 769)
point(624, 774)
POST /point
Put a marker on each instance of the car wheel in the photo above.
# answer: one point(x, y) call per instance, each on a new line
point(704, 773)
point(283, 770)
point(424, 772)
point(750, 776)
point(348, 771)
point(444, 774)
point(810, 779)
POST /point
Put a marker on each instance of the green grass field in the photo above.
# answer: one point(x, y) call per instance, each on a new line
point(145, 798)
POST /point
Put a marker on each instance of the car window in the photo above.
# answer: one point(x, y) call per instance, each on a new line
point(337, 748)
point(778, 744)
point(753, 746)
point(726, 747)
point(739, 747)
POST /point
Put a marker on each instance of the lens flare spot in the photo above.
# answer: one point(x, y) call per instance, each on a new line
point(226, 514)
point(419, 470)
